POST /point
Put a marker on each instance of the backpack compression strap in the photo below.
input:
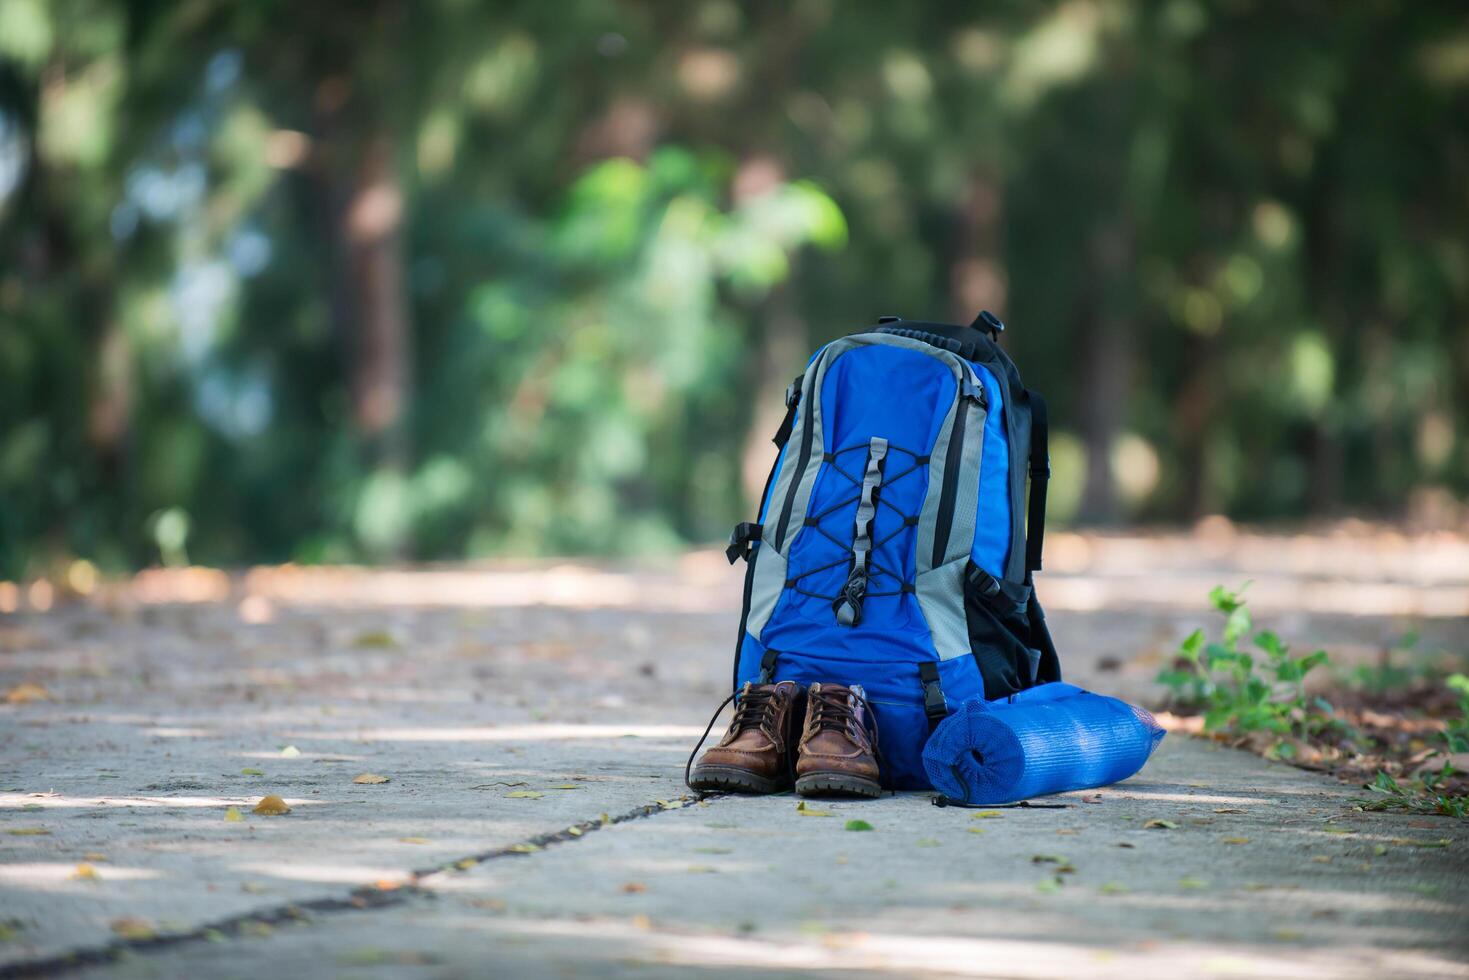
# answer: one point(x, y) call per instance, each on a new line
point(1040, 475)
point(793, 397)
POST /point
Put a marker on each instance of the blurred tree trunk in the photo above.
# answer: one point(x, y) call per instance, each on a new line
point(354, 86)
point(977, 275)
point(1324, 283)
point(1105, 348)
point(1193, 408)
point(369, 232)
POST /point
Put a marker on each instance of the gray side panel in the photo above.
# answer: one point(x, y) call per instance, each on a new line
point(941, 597)
point(966, 505)
point(769, 580)
point(928, 516)
point(783, 480)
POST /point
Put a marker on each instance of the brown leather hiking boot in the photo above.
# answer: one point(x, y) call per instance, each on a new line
point(754, 755)
point(837, 755)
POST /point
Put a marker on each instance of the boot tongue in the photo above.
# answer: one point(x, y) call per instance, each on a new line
point(750, 733)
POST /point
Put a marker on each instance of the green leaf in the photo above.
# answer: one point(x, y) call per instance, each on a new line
point(857, 825)
point(1189, 649)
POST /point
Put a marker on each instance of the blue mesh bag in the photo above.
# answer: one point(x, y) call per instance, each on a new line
point(1047, 739)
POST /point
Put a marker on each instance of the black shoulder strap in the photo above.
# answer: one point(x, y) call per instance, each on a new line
point(1040, 475)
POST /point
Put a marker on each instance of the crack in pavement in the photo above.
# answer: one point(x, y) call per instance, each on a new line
point(367, 898)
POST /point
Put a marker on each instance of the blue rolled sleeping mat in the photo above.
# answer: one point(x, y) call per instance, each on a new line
point(1047, 739)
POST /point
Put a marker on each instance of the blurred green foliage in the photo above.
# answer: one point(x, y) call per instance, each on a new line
point(341, 281)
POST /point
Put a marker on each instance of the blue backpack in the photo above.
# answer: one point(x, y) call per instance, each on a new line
point(891, 551)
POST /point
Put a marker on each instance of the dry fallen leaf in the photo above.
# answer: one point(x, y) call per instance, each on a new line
point(133, 928)
point(26, 694)
point(1157, 824)
point(1229, 809)
point(94, 856)
point(566, 786)
point(574, 831)
point(290, 752)
point(1236, 840)
point(28, 832)
point(413, 840)
point(1321, 858)
point(271, 806)
point(1091, 797)
point(634, 888)
point(369, 778)
point(524, 848)
point(985, 815)
point(807, 811)
point(525, 794)
point(233, 815)
point(85, 872)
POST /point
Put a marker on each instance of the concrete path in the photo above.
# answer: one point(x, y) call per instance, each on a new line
point(532, 723)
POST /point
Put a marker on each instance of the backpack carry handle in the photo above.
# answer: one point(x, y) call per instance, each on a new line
point(961, 340)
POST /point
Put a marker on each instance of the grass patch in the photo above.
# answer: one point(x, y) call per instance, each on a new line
point(1250, 690)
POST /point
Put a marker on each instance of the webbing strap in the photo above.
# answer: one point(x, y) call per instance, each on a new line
point(848, 605)
point(767, 667)
point(935, 705)
point(793, 398)
point(1040, 475)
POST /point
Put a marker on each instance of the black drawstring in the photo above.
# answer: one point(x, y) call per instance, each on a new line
point(942, 800)
point(689, 766)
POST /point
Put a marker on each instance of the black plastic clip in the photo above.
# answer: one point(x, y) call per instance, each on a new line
point(935, 705)
point(767, 666)
point(740, 540)
point(985, 583)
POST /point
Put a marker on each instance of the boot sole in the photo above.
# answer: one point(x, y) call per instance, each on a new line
point(721, 779)
point(838, 784)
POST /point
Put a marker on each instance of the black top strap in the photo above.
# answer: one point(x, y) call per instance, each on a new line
point(1040, 475)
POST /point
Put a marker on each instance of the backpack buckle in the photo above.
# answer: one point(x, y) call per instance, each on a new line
point(935, 705)
point(740, 540)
